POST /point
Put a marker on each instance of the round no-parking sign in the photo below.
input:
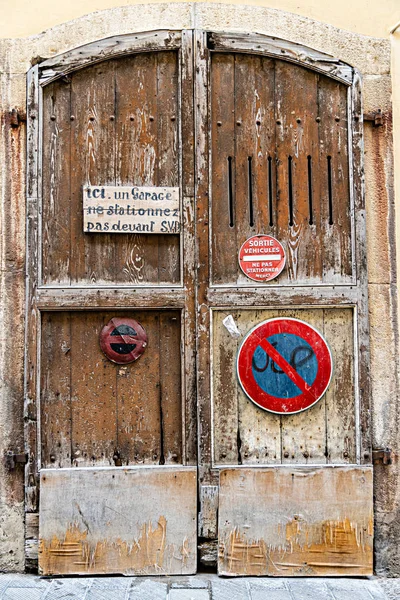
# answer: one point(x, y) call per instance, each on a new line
point(123, 340)
point(284, 365)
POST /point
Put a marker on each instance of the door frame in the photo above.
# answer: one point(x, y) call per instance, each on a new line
point(195, 289)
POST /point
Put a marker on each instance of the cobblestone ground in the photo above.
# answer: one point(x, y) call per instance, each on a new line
point(200, 587)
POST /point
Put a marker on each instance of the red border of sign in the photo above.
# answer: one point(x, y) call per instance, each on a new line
point(282, 262)
point(245, 375)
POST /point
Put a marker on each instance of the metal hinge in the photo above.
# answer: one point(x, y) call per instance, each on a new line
point(17, 117)
point(12, 459)
point(382, 456)
point(376, 117)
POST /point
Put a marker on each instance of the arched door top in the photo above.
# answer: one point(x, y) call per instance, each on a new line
point(254, 43)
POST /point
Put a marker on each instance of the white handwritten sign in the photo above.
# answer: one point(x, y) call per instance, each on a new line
point(130, 209)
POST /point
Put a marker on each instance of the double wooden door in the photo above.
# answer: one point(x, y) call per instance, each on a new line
point(137, 463)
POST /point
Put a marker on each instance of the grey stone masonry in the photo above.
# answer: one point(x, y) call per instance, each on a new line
point(199, 587)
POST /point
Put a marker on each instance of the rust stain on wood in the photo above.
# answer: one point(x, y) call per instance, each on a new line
point(313, 549)
point(148, 554)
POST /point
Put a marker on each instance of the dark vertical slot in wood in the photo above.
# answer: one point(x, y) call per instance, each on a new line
point(310, 193)
point(290, 190)
point(230, 193)
point(330, 194)
point(271, 209)
point(251, 211)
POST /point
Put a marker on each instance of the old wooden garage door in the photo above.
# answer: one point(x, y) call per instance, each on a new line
point(256, 136)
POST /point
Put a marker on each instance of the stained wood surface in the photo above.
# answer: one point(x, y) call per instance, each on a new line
point(115, 123)
point(93, 409)
point(245, 434)
point(134, 521)
point(279, 125)
point(305, 522)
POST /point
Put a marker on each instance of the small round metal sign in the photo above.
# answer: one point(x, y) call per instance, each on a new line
point(262, 258)
point(284, 365)
point(123, 340)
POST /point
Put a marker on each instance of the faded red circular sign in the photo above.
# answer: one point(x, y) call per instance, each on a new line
point(284, 365)
point(123, 340)
point(262, 258)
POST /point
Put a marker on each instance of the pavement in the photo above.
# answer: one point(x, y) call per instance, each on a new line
point(199, 587)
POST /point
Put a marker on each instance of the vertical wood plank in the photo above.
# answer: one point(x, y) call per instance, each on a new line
point(56, 183)
point(137, 156)
point(55, 399)
point(304, 434)
point(333, 142)
point(339, 399)
point(171, 388)
point(139, 400)
point(224, 194)
point(224, 382)
point(92, 163)
point(189, 420)
point(259, 431)
point(93, 393)
point(296, 109)
point(168, 157)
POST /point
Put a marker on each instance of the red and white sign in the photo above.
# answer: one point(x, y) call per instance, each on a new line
point(284, 365)
point(262, 258)
point(123, 340)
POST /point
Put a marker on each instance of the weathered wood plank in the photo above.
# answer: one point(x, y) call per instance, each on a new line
point(56, 165)
point(340, 396)
point(55, 386)
point(171, 387)
point(139, 400)
point(121, 532)
point(93, 393)
point(334, 182)
point(223, 172)
point(283, 49)
point(168, 156)
point(303, 522)
point(102, 50)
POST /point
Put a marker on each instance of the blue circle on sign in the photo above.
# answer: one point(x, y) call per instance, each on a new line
point(297, 352)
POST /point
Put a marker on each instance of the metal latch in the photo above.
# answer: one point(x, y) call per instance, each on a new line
point(12, 459)
point(382, 456)
point(376, 117)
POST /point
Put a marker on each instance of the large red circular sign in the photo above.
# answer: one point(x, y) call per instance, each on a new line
point(123, 340)
point(284, 365)
point(262, 258)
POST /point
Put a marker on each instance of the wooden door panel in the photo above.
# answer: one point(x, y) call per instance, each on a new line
point(115, 123)
point(279, 138)
point(304, 522)
point(245, 434)
point(93, 409)
point(132, 521)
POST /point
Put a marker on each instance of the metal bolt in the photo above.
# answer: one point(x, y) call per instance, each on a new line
point(337, 119)
point(132, 118)
point(318, 119)
point(278, 122)
point(238, 122)
point(298, 120)
point(306, 454)
point(258, 122)
point(112, 118)
point(286, 454)
point(151, 118)
point(53, 117)
point(345, 454)
point(52, 458)
point(173, 118)
point(72, 118)
point(219, 123)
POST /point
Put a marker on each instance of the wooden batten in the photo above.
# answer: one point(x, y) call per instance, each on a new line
point(296, 522)
point(102, 521)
